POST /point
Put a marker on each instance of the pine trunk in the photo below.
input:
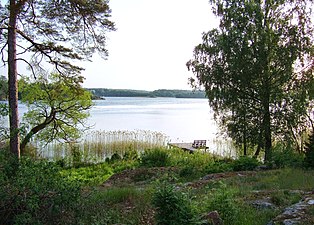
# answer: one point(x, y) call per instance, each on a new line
point(12, 81)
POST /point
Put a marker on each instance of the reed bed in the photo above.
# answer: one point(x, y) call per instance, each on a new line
point(223, 147)
point(97, 146)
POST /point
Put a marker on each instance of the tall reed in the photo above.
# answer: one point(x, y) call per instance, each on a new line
point(96, 146)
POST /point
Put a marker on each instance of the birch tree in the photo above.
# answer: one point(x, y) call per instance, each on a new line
point(256, 68)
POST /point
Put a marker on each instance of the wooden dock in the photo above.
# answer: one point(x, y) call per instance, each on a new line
point(185, 146)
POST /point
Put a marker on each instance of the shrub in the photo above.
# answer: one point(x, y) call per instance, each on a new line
point(244, 163)
point(172, 207)
point(283, 156)
point(156, 157)
point(222, 200)
point(309, 152)
point(218, 166)
point(189, 171)
point(76, 155)
point(132, 154)
point(115, 157)
point(36, 193)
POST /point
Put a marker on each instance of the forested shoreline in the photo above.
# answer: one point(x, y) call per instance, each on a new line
point(104, 92)
point(100, 93)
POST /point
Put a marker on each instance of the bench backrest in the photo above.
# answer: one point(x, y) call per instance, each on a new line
point(199, 144)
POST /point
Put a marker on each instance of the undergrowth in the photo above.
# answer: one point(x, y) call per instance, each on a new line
point(37, 191)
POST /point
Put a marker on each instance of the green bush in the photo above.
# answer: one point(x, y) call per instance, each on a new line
point(131, 154)
point(172, 207)
point(309, 152)
point(286, 157)
point(34, 192)
point(222, 201)
point(244, 163)
point(219, 166)
point(157, 157)
point(189, 171)
point(115, 157)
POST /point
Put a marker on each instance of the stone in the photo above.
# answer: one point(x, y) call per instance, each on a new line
point(294, 213)
point(310, 202)
point(262, 167)
point(263, 204)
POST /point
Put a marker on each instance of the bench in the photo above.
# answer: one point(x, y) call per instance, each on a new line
point(191, 147)
point(199, 144)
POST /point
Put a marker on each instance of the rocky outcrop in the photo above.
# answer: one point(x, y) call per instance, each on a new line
point(295, 214)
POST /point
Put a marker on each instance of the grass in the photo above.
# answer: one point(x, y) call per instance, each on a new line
point(132, 176)
point(98, 146)
point(129, 202)
point(117, 206)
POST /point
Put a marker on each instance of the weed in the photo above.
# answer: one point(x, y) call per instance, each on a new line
point(309, 152)
point(245, 163)
point(283, 156)
point(89, 175)
point(222, 200)
point(36, 193)
point(157, 157)
point(172, 207)
point(116, 206)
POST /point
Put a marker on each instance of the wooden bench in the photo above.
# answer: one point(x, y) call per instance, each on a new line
point(199, 144)
point(191, 147)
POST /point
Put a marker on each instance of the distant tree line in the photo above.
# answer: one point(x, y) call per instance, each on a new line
point(103, 92)
point(99, 93)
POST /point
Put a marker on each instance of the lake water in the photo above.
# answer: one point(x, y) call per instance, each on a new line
point(183, 120)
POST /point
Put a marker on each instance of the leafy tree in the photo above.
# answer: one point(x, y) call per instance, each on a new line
point(256, 68)
point(309, 152)
point(3, 88)
point(3, 126)
point(43, 32)
point(3, 108)
point(57, 108)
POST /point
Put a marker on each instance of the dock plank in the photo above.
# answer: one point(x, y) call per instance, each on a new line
point(184, 146)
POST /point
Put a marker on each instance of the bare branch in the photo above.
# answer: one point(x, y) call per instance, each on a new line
point(30, 66)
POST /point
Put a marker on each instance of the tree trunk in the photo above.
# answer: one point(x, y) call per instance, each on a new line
point(35, 130)
point(12, 81)
point(260, 144)
point(244, 135)
point(244, 143)
point(267, 83)
point(267, 132)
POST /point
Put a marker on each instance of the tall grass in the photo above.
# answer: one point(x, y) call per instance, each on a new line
point(222, 147)
point(97, 146)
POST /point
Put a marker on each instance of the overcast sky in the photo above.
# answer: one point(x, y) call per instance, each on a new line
point(153, 42)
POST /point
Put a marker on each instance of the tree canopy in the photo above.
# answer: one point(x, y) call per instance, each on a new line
point(49, 32)
point(57, 108)
point(257, 68)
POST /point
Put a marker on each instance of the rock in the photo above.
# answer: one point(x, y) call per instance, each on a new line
point(310, 202)
point(263, 204)
point(263, 167)
point(294, 214)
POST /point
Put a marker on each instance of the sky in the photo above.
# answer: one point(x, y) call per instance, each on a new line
point(153, 42)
